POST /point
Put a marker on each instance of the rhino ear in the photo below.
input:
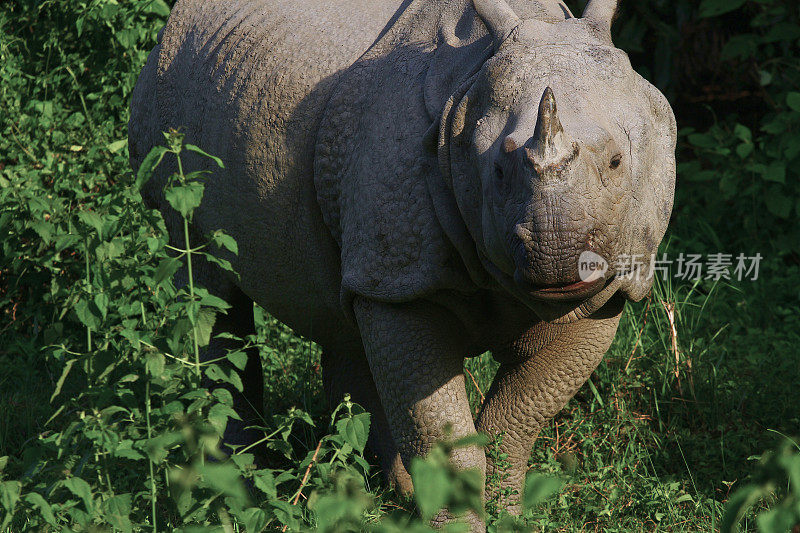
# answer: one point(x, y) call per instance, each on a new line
point(499, 18)
point(600, 14)
point(451, 124)
point(462, 48)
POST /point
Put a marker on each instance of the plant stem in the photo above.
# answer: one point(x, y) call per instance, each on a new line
point(305, 479)
point(88, 329)
point(191, 296)
point(149, 460)
point(188, 252)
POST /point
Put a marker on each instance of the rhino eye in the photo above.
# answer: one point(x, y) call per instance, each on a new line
point(616, 161)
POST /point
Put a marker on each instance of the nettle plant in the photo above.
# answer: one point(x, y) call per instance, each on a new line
point(136, 439)
point(775, 482)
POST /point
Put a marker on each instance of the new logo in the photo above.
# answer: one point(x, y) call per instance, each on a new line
point(591, 266)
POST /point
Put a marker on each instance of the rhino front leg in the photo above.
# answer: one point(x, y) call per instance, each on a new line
point(415, 353)
point(538, 374)
point(350, 374)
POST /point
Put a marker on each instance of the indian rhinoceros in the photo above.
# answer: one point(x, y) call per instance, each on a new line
point(414, 182)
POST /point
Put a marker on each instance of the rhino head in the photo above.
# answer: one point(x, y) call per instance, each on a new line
point(558, 153)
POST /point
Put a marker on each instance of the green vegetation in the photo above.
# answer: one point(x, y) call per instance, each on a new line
point(103, 425)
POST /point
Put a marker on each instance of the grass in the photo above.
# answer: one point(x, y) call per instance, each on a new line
point(701, 379)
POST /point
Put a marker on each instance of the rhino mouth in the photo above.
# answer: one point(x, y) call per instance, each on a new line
point(570, 292)
point(558, 303)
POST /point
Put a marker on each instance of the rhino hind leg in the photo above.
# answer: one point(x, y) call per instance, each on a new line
point(351, 375)
point(248, 404)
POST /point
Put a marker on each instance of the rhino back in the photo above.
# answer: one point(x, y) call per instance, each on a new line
point(248, 81)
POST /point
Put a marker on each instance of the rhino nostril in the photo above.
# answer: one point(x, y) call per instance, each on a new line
point(498, 171)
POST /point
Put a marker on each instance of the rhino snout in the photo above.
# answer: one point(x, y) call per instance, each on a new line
point(558, 268)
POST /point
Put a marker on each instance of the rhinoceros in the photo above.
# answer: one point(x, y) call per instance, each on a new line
point(415, 182)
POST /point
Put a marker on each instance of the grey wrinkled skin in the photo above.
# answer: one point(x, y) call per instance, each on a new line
point(412, 183)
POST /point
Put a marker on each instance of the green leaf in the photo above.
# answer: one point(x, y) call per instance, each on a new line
point(265, 482)
point(431, 487)
point(742, 46)
point(743, 133)
point(793, 101)
point(158, 7)
point(117, 512)
point(116, 146)
point(714, 8)
point(185, 198)
point(792, 465)
point(9, 495)
point(219, 415)
point(82, 490)
point(149, 164)
point(224, 264)
point(792, 148)
point(209, 300)
point(205, 325)
point(166, 269)
point(157, 448)
point(223, 396)
point(286, 513)
point(193, 148)
point(215, 373)
point(101, 301)
point(88, 314)
point(254, 519)
point(43, 229)
point(154, 364)
point(782, 31)
point(355, 430)
point(703, 140)
point(125, 450)
point(38, 502)
point(777, 520)
point(64, 373)
point(775, 172)
point(539, 488)
point(238, 359)
point(223, 240)
point(127, 37)
point(778, 204)
point(744, 150)
point(243, 461)
point(741, 500)
point(93, 220)
point(481, 440)
point(225, 479)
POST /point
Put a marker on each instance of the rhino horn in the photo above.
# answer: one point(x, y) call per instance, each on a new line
point(600, 14)
point(550, 148)
point(499, 18)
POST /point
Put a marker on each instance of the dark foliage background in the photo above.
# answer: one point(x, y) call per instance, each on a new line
point(669, 433)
